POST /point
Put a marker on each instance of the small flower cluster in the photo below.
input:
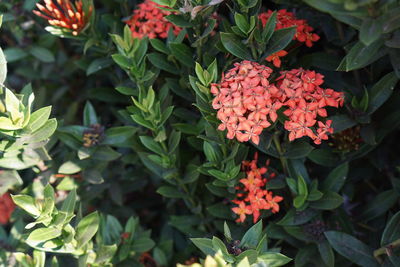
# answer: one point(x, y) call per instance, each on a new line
point(286, 19)
point(7, 207)
point(149, 20)
point(247, 102)
point(65, 15)
point(252, 197)
point(306, 101)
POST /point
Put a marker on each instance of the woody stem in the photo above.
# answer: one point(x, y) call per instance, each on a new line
point(386, 249)
point(278, 147)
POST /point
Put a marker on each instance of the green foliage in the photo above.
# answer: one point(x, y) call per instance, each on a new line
point(102, 129)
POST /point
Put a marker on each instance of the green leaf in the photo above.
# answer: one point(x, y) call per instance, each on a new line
point(160, 61)
point(298, 150)
point(351, 248)
point(142, 244)
point(14, 54)
point(379, 205)
point(9, 179)
point(43, 133)
point(159, 46)
point(279, 40)
point(360, 55)
point(204, 244)
point(170, 192)
point(98, 64)
point(273, 259)
point(182, 53)
point(371, 30)
point(336, 178)
point(293, 217)
point(69, 167)
point(227, 232)
point(122, 61)
point(392, 230)
point(89, 115)
point(3, 67)
point(341, 122)
point(269, 28)
point(68, 205)
point(178, 20)
point(381, 91)
point(326, 252)
point(302, 192)
point(39, 258)
point(27, 203)
point(329, 201)
point(242, 23)
point(391, 20)
point(252, 236)
point(218, 245)
point(324, 157)
point(152, 145)
point(39, 118)
point(235, 46)
point(87, 228)
point(42, 234)
point(43, 54)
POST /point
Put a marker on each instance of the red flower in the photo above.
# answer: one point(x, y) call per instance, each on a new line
point(275, 58)
point(242, 210)
point(252, 198)
point(64, 14)
point(7, 207)
point(149, 20)
point(285, 19)
point(247, 102)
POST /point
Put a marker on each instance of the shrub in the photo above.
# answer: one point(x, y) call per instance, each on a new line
point(199, 133)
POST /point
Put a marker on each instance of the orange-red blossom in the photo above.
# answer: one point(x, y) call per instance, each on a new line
point(7, 207)
point(64, 14)
point(252, 198)
point(286, 19)
point(148, 20)
point(247, 102)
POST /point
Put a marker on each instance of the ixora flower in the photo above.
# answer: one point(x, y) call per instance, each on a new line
point(252, 198)
point(64, 14)
point(275, 58)
point(306, 103)
point(247, 102)
point(7, 207)
point(286, 19)
point(149, 20)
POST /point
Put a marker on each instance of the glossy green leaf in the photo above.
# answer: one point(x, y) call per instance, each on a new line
point(279, 40)
point(87, 228)
point(235, 46)
point(351, 248)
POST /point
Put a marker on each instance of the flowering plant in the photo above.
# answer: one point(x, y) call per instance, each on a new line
point(199, 133)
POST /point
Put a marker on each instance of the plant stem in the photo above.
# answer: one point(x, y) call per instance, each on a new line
point(386, 250)
point(278, 147)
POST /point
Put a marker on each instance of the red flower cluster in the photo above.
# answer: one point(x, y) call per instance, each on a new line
point(306, 100)
point(148, 20)
point(285, 19)
point(247, 102)
point(65, 15)
point(253, 197)
point(7, 207)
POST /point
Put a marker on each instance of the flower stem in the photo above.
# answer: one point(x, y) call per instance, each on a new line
point(386, 250)
point(278, 147)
